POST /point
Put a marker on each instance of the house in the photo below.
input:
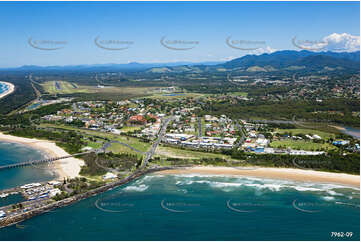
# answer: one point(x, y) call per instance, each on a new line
point(137, 119)
point(115, 131)
point(308, 136)
point(31, 185)
point(269, 150)
point(304, 152)
point(54, 183)
point(315, 136)
point(181, 137)
point(87, 148)
point(341, 142)
point(252, 134)
point(109, 175)
point(54, 192)
point(262, 142)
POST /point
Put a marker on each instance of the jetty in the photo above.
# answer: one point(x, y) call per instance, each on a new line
point(35, 162)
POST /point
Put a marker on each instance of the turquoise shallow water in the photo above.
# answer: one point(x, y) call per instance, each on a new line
point(3, 87)
point(12, 153)
point(354, 132)
point(176, 207)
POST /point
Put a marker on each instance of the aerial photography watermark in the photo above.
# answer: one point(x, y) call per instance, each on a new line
point(316, 207)
point(176, 206)
point(47, 44)
point(113, 204)
point(113, 44)
point(241, 165)
point(301, 163)
point(48, 166)
point(244, 207)
point(247, 45)
point(314, 45)
point(178, 44)
point(308, 207)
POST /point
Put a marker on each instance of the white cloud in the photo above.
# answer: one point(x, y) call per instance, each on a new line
point(263, 50)
point(228, 58)
point(342, 42)
point(333, 42)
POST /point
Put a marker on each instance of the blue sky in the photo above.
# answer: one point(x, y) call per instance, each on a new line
point(144, 24)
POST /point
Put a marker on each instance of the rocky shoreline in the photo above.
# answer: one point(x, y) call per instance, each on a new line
point(65, 202)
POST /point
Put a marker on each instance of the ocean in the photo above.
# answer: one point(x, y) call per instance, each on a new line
point(3, 87)
point(201, 207)
point(12, 153)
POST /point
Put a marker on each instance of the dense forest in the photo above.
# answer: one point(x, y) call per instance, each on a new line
point(288, 110)
point(333, 162)
point(23, 94)
point(70, 141)
point(99, 164)
point(26, 119)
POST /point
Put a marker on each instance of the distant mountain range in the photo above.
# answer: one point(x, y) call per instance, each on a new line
point(108, 67)
point(286, 60)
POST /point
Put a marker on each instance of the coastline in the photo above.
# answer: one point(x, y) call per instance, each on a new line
point(9, 91)
point(70, 200)
point(272, 173)
point(69, 167)
point(345, 130)
point(338, 127)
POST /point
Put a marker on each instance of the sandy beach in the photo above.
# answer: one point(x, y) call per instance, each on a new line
point(337, 127)
point(10, 90)
point(274, 173)
point(69, 167)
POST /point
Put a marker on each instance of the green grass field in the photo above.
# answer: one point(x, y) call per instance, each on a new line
point(242, 94)
point(115, 148)
point(163, 151)
point(94, 145)
point(118, 149)
point(203, 122)
point(322, 134)
point(126, 129)
point(301, 145)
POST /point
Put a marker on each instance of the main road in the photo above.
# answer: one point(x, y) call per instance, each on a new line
point(161, 134)
point(241, 140)
point(199, 126)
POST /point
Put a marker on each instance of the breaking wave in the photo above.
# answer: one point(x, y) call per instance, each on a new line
point(139, 188)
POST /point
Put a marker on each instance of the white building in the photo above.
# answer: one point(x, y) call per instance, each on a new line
point(54, 192)
point(315, 136)
point(30, 185)
point(262, 142)
point(54, 183)
point(109, 175)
